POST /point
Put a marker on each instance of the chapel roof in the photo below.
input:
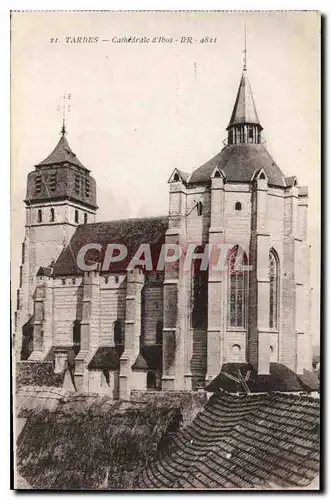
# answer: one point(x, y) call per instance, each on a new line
point(281, 378)
point(239, 162)
point(149, 358)
point(129, 232)
point(105, 358)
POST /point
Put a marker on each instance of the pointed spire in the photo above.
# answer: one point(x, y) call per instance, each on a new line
point(62, 153)
point(244, 125)
point(244, 110)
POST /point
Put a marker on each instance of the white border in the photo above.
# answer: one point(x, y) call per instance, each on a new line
point(323, 6)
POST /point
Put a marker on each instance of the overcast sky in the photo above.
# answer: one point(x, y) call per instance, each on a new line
point(139, 110)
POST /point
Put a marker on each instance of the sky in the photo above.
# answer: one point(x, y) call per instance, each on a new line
point(138, 110)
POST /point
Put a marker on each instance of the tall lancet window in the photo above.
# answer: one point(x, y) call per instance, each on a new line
point(273, 297)
point(237, 278)
point(199, 292)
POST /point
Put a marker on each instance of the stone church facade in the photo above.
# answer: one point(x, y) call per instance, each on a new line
point(178, 328)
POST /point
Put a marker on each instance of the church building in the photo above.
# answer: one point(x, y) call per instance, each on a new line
point(122, 330)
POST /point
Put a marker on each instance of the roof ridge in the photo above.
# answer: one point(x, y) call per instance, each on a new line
point(125, 219)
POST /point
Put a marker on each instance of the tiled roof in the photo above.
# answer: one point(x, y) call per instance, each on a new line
point(105, 358)
point(281, 378)
point(289, 181)
point(244, 110)
point(90, 442)
point(62, 153)
point(184, 175)
point(153, 356)
point(149, 358)
point(128, 232)
point(140, 363)
point(261, 441)
point(238, 163)
point(45, 271)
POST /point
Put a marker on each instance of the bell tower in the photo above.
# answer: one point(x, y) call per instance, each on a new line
point(60, 195)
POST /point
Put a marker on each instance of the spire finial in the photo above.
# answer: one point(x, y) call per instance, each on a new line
point(245, 52)
point(63, 129)
point(65, 100)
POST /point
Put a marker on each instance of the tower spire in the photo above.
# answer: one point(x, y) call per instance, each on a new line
point(244, 126)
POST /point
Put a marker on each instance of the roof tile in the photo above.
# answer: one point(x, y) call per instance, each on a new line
point(245, 453)
point(62, 153)
point(128, 232)
point(239, 162)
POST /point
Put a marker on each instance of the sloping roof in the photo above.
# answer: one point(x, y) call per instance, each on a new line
point(140, 363)
point(105, 358)
point(281, 378)
point(238, 163)
point(149, 358)
point(244, 110)
point(263, 441)
point(128, 232)
point(289, 181)
point(184, 175)
point(62, 153)
point(45, 271)
point(153, 356)
point(91, 443)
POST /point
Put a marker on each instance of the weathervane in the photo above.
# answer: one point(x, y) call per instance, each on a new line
point(66, 106)
point(245, 52)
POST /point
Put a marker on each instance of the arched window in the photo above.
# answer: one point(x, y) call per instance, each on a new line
point(273, 297)
point(40, 215)
point(159, 332)
point(262, 176)
point(76, 216)
point(176, 177)
point(52, 215)
point(199, 208)
point(85, 218)
point(76, 336)
point(217, 174)
point(238, 205)
point(237, 298)
point(151, 379)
